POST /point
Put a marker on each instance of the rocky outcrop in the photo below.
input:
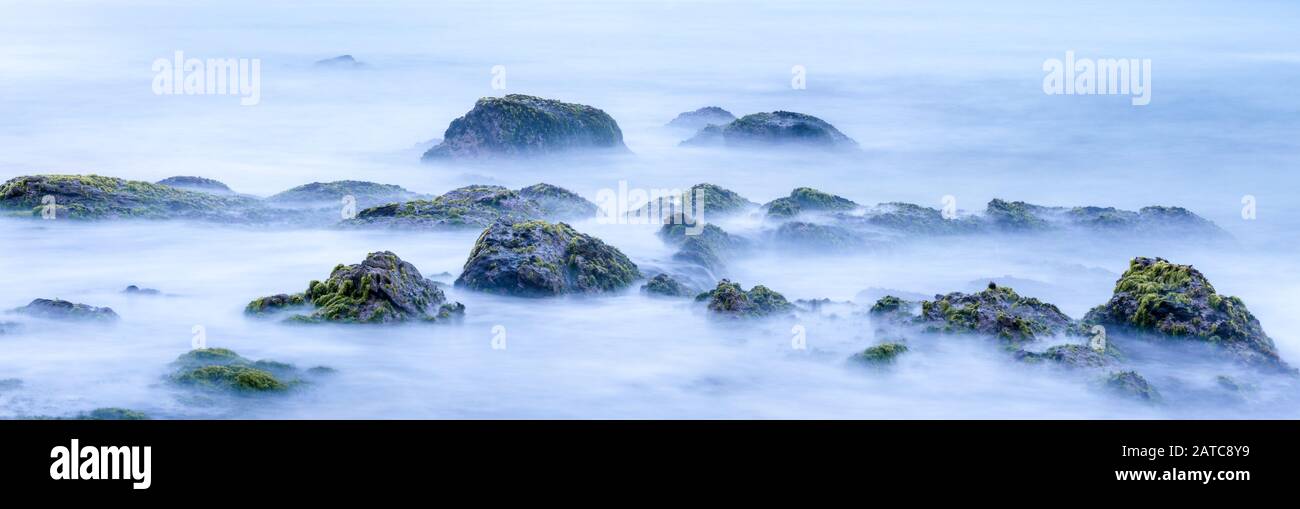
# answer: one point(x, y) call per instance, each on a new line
point(381, 289)
point(817, 238)
point(558, 203)
point(199, 184)
point(729, 299)
point(136, 290)
point(707, 199)
point(880, 355)
point(58, 309)
point(1165, 301)
point(331, 194)
point(782, 128)
point(698, 119)
point(520, 125)
point(1129, 384)
point(807, 199)
point(708, 249)
point(466, 207)
point(1018, 216)
point(223, 370)
point(996, 311)
point(539, 259)
point(667, 286)
point(96, 197)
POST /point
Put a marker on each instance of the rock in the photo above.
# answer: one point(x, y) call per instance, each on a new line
point(1072, 356)
point(892, 308)
point(707, 136)
point(9, 328)
point(59, 309)
point(817, 237)
point(339, 62)
point(198, 184)
point(708, 115)
point(1155, 220)
point(996, 311)
point(1162, 300)
point(705, 200)
point(729, 299)
point(783, 128)
point(113, 414)
point(1016, 216)
point(135, 290)
point(882, 354)
point(521, 125)
point(96, 197)
point(331, 195)
point(380, 289)
point(220, 369)
point(558, 203)
point(914, 219)
point(1132, 385)
point(807, 199)
point(708, 249)
point(466, 207)
point(667, 286)
point(538, 259)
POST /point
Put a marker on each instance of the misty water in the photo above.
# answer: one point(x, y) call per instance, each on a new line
point(945, 99)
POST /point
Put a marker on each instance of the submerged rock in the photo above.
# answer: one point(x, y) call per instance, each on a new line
point(667, 286)
point(1072, 356)
point(914, 219)
point(381, 289)
point(522, 125)
point(59, 309)
point(707, 136)
point(465, 207)
point(817, 237)
point(783, 128)
point(807, 199)
point(1018, 216)
point(882, 354)
point(1132, 385)
point(339, 62)
point(220, 369)
point(113, 414)
point(996, 311)
point(538, 259)
point(9, 328)
point(556, 202)
point(332, 194)
point(1156, 298)
point(200, 184)
point(708, 115)
point(10, 384)
point(730, 299)
point(136, 290)
point(707, 249)
point(707, 199)
point(96, 197)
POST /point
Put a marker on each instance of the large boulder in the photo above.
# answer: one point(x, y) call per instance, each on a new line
point(96, 197)
point(331, 194)
point(466, 207)
point(200, 184)
point(706, 116)
point(59, 309)
point(1162, 300)
point(539, 259)
point(522, 125)
point(381, 289)
point(729, 299)
point(783, 128)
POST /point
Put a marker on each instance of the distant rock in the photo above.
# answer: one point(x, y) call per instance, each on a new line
point(113, 414)
point(59, 309)
point(558, 203)
point(339, 62)
point(331, 195)
point(10, 384)
point(710, 199)
point(9, 328)
point(520, 125)
point(708, 249)
point(380, 289)
point(135, 290)
point(667, 286)
point(92, 197)
point(781, 128)
point(540, 259)
point(199, 184)
point(707, 136)
point(467, 207)
point(1019, 216)
point(729, 299)
point(708, 115)
point(818, 238)
point(914, 219)
point(807, 199)
point(1162, 300)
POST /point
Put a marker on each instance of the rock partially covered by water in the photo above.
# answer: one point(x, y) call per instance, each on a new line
point(200, 184)
point(466, 207)
point(817, 238)
point(522, 125)
point(96, 197)
point(698, 119)
point(339, 62)
point(879, 355)
point(559, 203)
point(783, 128)
point(1169, 301)
point(996, 311)
point(539, 259)
point(381, 289)
point(914, 219)
point(706, 246)
point(1132, 385)
point(113, 414)
point(1072, 356)
point(220, 369)
point(807, 199)
point(707, 199)
point(667, 286)
point(1018, 216)
point(729, 299)
point(58, 309)
point(136, 290)
point(332, 194)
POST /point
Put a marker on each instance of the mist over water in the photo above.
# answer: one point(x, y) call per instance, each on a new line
point(944, 98)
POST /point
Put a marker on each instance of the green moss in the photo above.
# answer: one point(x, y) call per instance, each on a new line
point(885, 353)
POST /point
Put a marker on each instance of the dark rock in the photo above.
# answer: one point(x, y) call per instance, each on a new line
point(63, 310)
point(558, 203)
point(10, 384)
point(817, 237)
point(466, 207)
point(275, 303)
point(1156, 298)
point(996, 311)
point(96, 197)
point(381, 289)
point(1132, 385)
point(135, 290)
point(1016, 216)
point(1155, 220)
point(705, 200)
point(667, 286)
point(199, 184)
point(915, 219)
point(219, 369)
point(331, 194)
point(339, 62)
point(708, 115)
point(113, 414)
point(807, 199)
point(730, 299)
point(707, 136)
point(521, 125)
point(1072, 356)
point(782, 128)
point(538, 259)
point(708, 249)
point(882, 354)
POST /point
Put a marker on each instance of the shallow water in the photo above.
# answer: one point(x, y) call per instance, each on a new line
point(944, 101)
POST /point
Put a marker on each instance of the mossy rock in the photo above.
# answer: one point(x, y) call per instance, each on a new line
point(113, 414)
point(199, 184)
point(1073, 356)
point(1016, 215)
point(539, 259)
point(997, 311)
point(729, 299)
point(708, 248)
point(704, 200)
point(59, 309)
point(667, 286)
point(818, 238)
point(558, 203)
point(467, 207)
point(880, 355)
point(807, 199)
point(915, 219)
point(781, 129)
point(520, 125)
point(1129, 384)
point(92, 197)
point(708, 115)
point(331, 194)
point(221, 369)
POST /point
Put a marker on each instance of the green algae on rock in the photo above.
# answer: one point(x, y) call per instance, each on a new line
point(381, 289)
point(781, 128)
point(332, 194)
point(1131, 385)
point(882, 354)
point(92, 197)
point(59, 309)
point(522, 125)
point(996, 311)
point(667, 286)
point(113, 414)
point(807, 199)
point(222, 369)
point(539, 259)
point(729, 299)
point(467, 207)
